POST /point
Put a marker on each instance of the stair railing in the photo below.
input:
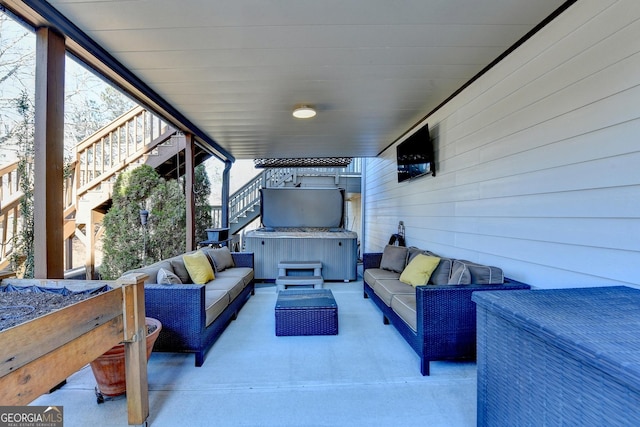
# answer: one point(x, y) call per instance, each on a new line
point(116, 146)
point(279, 176)
point(10, 196)
point(246, 198)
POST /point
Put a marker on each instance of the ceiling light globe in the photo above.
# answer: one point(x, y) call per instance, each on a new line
point(304, 112)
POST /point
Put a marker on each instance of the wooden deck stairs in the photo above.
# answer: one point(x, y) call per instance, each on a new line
point(137, 137)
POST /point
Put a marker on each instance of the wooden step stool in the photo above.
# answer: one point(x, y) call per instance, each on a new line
point(285, 279)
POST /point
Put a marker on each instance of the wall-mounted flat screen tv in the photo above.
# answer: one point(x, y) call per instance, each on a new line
point(415, 156)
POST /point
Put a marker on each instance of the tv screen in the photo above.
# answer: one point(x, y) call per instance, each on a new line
point(415, 156)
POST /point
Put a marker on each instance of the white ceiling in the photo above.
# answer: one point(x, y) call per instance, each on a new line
point(373, 68)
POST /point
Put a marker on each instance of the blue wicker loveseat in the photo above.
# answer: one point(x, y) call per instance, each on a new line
point(193, 316)
point(438, 320)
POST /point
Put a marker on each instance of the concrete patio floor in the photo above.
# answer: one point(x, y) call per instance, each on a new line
point(365, 375)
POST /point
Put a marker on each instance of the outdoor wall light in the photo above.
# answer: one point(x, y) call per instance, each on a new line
point(304, 112)
point(144, 216)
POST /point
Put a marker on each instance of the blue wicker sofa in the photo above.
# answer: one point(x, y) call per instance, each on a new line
point(194, 316)
point(438, 320)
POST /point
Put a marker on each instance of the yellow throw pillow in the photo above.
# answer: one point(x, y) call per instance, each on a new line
point(418, 271)
point(198, 266)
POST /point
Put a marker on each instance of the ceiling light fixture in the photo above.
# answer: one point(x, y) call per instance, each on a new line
point(304, 112)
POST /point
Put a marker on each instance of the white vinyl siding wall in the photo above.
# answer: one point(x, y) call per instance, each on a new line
point(538, 161)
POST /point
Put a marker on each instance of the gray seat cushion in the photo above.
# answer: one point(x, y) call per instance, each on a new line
point(152, 271)
point(215, 302)
point(386, 289)
point(394, 258)
point(246, 273)
point(442, 273)
point(220, 257)
point(179, 269)
point(460, 274)
point(412, 251)
point(233, 285)
point(480, 274)
point(404, 305)
point(373, 274)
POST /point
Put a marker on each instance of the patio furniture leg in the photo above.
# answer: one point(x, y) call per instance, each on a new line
point(199, 358)
point(424, 366)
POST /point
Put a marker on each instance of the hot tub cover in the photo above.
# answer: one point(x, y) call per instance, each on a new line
point(302, 207)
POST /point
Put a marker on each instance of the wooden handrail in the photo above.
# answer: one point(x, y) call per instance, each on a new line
point(104, 131)
point(8, 168)
point(110, 173)
point(112, 147)
point(9, 181)
point(10, 196)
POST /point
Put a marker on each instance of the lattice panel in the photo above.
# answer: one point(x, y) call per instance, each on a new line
point(304, 162)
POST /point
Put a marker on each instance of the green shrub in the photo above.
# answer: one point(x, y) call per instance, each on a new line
point(126, 243)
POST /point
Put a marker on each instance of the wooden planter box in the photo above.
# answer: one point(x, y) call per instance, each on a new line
point(39, 354)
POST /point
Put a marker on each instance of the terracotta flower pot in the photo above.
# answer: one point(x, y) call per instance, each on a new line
point(109, 369)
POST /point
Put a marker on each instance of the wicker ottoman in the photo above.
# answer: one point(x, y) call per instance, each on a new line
point(306, 312)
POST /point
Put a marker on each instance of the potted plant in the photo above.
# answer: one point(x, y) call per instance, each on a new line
point(109, 369)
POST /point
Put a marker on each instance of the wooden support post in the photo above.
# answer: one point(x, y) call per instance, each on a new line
point(90, 247)
point(68, 253)
point(49, 155)
point(189, 173)
point(135, 347)
point(226, 179)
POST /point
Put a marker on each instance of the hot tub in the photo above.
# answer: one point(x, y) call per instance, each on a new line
point(303, 225)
